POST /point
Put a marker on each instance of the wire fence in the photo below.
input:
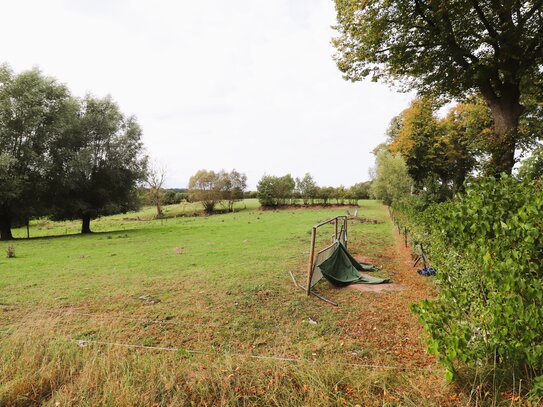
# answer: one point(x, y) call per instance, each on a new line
point(88, 342)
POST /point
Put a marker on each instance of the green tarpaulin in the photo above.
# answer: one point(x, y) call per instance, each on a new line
point(342, 269)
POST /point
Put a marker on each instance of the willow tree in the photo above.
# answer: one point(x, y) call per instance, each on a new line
point(34, 110)
point(98, 165)
point(452, 48)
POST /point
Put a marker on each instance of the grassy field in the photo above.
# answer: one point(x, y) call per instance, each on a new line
point(202, 311)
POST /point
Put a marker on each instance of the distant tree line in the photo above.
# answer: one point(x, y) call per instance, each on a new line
point(174, 196)
point(286, 190)
point(159, 197)
point(62, 156)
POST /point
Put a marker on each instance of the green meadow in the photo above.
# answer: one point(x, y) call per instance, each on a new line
point(202, 310)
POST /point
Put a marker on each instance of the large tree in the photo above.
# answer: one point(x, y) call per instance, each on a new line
point(420, 141)
point(306, 187)
point(34, 111)
point(440, 152)
point(453, 48)
point(98, 164)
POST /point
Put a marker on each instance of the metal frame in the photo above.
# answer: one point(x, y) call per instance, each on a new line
point(311, 265)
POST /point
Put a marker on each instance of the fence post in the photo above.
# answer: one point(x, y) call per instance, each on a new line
point(346, 222)
point(311, 257)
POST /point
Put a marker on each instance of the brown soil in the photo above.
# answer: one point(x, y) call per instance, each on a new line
point(377, 288)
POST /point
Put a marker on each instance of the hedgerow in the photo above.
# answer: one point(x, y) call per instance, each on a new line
point(487, 246)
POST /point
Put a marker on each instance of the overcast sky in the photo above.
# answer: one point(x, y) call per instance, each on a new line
point(245, 84)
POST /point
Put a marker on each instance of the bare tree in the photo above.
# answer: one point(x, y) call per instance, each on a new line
point(156, 177)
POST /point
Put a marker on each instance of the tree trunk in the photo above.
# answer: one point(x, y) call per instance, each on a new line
point(85, 227)
point(5, 229)
point(159, 213)
point(506, 112)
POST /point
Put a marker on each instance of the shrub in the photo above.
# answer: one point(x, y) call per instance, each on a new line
point(488, 248)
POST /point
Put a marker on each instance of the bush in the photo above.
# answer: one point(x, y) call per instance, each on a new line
point(487, 246)
point(250, 195)
point(171, 197)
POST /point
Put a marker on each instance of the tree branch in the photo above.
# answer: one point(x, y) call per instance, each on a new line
point(420, 12)
point(493, 33)
point(459, 54)
point(412, 46)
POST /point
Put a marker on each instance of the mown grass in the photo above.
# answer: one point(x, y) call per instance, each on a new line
point(215, 288)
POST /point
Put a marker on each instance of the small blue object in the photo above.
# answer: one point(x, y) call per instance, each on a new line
point(427, 271)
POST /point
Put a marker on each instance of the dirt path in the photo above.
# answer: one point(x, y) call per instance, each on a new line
point(385, 325)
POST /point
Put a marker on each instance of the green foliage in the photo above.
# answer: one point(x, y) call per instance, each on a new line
point(391, 180)
point(487, 246)
point(205, 187)
point(421, 143)
point(61, 156)
point(98, 165)
point(532, 167)
point(284, 188)
point(250, 195)
point(468, 131)
point(360, 190)
point(431, 46)
point(266, 190)
point(212, 188)
point(273, 191)
point(34, 111)
point(233, 186)
point(171, 197)
point(307, 188)
point(440, 153)
point(325, 194)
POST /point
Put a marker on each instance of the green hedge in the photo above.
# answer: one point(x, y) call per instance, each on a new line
point(487, 246)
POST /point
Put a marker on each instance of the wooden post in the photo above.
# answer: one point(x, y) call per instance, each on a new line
point(337, 237)
point(345, 230)
point(311, 258)
point(405, 236)
point(28, 228)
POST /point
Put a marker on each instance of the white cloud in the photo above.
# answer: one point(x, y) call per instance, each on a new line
point(248, 84)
